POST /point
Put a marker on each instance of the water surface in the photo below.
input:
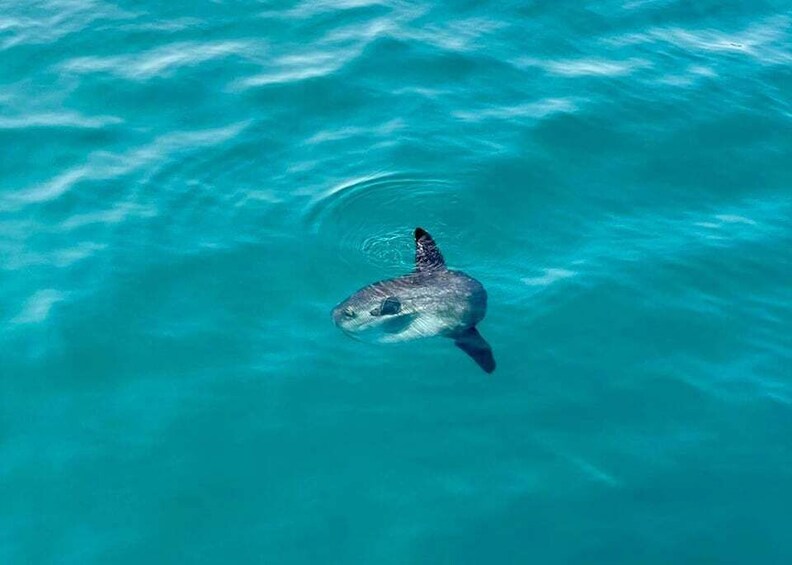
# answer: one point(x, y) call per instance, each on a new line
point(187, 188)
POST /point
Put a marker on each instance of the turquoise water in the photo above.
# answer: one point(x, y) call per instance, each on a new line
point(187, 188)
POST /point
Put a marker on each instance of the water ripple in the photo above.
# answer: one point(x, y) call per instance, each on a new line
point(584, 66)
point(161, 60)
point(58, 120)
point(766, 42)
point(532, 110)
point(299, 67)
point(373, 216)
point(38, 306)
point(30, 23)
point(103, 165)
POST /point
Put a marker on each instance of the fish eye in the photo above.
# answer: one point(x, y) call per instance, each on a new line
point(348, 313)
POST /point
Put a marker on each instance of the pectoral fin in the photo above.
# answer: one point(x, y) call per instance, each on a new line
point(471, 342)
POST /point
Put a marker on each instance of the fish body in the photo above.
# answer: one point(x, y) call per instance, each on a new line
point(431, 301)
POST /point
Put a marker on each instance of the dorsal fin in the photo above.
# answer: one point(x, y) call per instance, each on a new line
point(427, 255)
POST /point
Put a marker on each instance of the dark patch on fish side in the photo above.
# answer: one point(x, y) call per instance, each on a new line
point(388, 307)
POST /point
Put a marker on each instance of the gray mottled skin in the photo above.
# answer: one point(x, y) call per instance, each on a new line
point(431, 301)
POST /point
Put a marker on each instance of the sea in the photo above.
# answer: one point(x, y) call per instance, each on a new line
point(188, 188)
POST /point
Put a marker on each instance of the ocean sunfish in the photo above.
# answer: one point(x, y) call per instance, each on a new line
point(431, 301)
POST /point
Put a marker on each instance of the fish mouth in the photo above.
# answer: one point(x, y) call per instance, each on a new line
point(362, 327)
point(341, 313)
point(335, 315)
point(346, 320)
